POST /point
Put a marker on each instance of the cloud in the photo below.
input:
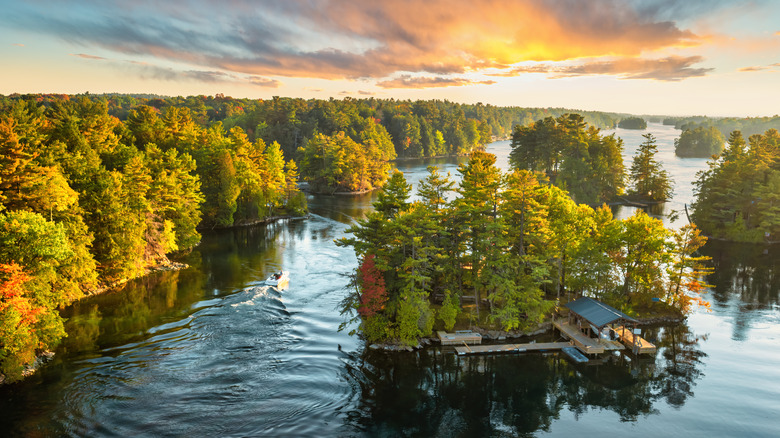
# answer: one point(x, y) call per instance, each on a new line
point(152, 72)
point(753, 68)
point(407, 81)
point(759, 68)
point(777, 33)
point(85, 56)
point(673, 68)
point(366, 93)
point(336, 39)
point(17, 44)
point(263, 82)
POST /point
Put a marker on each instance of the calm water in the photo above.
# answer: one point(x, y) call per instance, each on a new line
point(211, 351)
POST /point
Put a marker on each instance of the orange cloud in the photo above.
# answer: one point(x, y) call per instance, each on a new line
point(336, 39)
point(749, 69)
point(407, 81)
point(673, 68)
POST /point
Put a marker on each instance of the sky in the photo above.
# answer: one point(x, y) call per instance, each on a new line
point(666, 57)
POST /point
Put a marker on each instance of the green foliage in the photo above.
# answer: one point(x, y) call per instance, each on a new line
point(699, 142)
point(737, 196)
point(338, 163)
point(687, 269)
point(649, 180)
point(572, 155)
point(449, 310)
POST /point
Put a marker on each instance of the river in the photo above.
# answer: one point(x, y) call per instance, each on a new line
point(211, 351)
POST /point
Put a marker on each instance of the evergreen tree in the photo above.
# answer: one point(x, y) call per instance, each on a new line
point(649, 180)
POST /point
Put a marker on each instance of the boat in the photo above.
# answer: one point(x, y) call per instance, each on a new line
point(574, 354)
point(278, 279)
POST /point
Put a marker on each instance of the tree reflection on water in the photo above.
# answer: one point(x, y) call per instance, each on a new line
point(434, 392)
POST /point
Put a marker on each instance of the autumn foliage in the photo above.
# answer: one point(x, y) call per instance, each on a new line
point(373, 293)
point(18, 317)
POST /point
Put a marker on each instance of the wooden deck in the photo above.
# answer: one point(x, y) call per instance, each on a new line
point(628, 338)
point(585, 344)
point(510, 348)
point(459, 338)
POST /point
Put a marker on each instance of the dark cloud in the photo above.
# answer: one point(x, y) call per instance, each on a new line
point(147, 71)
point(673, 68)
point(336, 39)
point(366, 93)
point(407, 81)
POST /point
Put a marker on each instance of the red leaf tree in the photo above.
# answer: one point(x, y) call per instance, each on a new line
point(373, 294)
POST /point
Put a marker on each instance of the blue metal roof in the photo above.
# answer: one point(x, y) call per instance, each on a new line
point(596, 312)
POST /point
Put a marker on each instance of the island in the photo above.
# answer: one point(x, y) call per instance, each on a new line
point(504, 254)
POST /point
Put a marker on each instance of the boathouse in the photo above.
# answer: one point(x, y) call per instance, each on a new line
point(587, 320)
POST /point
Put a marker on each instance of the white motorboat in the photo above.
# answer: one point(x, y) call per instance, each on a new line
point(279, 279)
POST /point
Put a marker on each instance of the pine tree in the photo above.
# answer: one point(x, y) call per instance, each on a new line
point(649, 180)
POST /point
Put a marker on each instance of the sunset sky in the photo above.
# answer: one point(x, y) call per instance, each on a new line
point(716, 57)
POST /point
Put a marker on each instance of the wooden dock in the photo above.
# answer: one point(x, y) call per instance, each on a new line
point(585, 344)
point(611, 345)
point(459, 338)
point(510, 348)
point(629, 339)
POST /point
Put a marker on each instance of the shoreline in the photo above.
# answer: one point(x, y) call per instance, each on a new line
point(502, 336)
point(253, 222)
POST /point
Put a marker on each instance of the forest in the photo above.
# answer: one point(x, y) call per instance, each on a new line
point(504, 253)
point(738, 196)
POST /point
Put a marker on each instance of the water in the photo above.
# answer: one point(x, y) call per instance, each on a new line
point(211, 351)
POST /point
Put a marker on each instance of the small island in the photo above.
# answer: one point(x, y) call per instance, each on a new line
point(699, 142)
point(505, 254)
point(633, 123)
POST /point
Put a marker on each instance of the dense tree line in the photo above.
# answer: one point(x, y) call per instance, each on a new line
point(726, 125)
point(738, 196)
point(380, 129)
point(572, 155)
point(513, 245)
point(577, 158)
point(87, 200)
